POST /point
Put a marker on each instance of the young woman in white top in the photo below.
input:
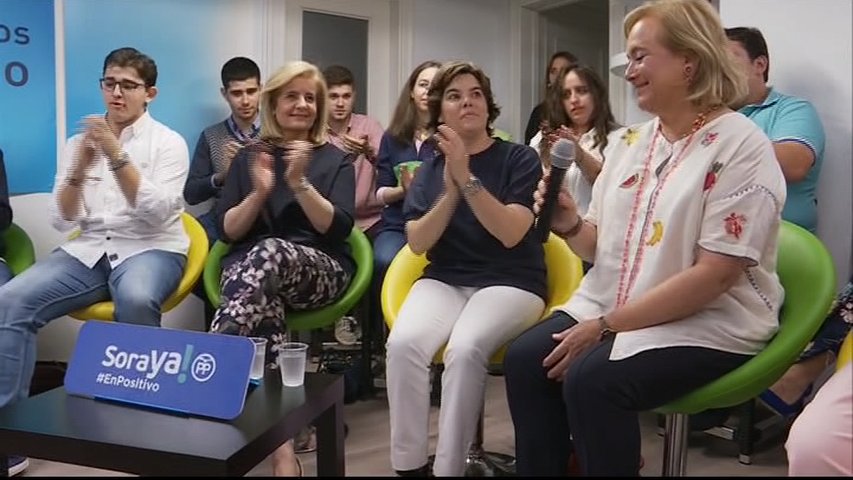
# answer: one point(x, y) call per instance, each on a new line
point(682, 229)
point(578, 109)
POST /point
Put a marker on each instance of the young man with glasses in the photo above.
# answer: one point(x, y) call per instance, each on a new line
point(119, 184)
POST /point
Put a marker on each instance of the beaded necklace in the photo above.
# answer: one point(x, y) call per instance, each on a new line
point(628, 275)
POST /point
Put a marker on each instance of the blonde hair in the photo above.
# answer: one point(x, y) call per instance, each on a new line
point(273, 87)
point(692, 28)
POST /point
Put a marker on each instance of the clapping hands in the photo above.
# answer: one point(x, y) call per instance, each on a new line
point(456, 159)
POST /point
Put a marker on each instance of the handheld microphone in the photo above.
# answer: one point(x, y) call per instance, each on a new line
point(562, 155)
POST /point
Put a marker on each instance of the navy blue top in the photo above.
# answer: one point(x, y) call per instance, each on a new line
point(393, 152)
point(468, 255)
point(332, 175)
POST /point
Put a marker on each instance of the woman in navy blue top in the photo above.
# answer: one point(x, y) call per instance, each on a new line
point(286, 209)
point(470, 210)
point(402, 143)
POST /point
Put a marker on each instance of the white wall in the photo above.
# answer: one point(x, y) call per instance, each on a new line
point(475, 30)
point(810, 56)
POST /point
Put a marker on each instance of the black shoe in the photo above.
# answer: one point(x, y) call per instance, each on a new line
point(708, 419)
point(418, 472)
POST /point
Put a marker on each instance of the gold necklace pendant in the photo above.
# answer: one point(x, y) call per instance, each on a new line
point(701, 119)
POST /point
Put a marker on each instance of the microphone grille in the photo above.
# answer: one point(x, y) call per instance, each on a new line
point(562, 153)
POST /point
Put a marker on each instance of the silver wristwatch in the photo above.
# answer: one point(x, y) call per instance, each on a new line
point(472, 187)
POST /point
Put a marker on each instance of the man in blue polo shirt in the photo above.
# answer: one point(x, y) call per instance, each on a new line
point(791, 123)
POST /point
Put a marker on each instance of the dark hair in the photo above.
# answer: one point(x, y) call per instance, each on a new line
point(601, 118)
point(238, 69)
point(338, 75)
point(405, 118)
point(444, 76)
point(128, 57)
point(753, 42)
point(565, 55)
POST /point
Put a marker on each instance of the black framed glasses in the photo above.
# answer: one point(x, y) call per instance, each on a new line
point(109, 84)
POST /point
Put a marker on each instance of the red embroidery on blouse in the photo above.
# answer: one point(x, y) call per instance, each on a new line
point(711, 176)
point(734, 224)
point(630, 181)
point(628, 273)
point(709, 138)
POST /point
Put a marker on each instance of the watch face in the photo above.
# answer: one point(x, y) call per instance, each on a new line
point(473, 186)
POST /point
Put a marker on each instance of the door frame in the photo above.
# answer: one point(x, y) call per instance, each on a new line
point(380, 47)
point(532, 65)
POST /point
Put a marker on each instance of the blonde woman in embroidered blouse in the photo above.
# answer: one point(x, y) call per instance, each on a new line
point(682, 229)
point(579, 110)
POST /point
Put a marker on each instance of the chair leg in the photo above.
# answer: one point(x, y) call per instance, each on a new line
point(746, 432)
point(436, 371)
point(367, 340)
point(675, 445)
point(481, 463)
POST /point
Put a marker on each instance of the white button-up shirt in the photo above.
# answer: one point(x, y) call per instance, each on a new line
point(722, 192)
point(109, 225)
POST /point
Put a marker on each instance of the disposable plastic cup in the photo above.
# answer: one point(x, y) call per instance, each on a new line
point(259, 361)
point(291, 362)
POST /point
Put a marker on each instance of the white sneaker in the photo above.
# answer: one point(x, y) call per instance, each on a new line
point(17, 465)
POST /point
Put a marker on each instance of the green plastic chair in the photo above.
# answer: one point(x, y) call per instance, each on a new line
point(807, 273)
point(362, 252)
point(20, 253)
point(503, 135)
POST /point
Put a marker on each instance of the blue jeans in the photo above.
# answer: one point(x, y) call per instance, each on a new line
point(5, 273)
point(61, 284)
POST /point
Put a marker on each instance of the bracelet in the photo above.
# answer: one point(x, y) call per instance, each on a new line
point(604, 329)
point(114, 167)
point(123, 159)
point(303, 186)
point(74, 182)
point(572, 232)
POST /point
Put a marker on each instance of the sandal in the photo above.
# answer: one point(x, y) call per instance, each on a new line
point(779, 407)
point(306, 440)
point(299, 469)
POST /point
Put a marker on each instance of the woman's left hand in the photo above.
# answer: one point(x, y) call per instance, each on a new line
point(297, 157)
point(457, 160)
point(567, 133)
point(573, 341)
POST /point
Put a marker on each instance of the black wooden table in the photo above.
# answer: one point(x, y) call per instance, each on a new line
point(64, 428)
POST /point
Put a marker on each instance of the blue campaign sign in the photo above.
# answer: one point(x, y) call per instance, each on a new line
point(28, 94)
point(187, 372)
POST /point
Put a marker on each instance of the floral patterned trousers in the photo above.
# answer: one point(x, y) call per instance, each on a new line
point(274, 277)
point(835, 327)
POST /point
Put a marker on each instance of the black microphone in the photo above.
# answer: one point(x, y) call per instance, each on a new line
point(562, 155)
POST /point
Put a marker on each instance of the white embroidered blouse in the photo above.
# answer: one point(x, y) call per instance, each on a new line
point(656, 203)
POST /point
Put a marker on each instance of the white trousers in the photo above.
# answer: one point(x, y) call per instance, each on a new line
point(473, 323)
